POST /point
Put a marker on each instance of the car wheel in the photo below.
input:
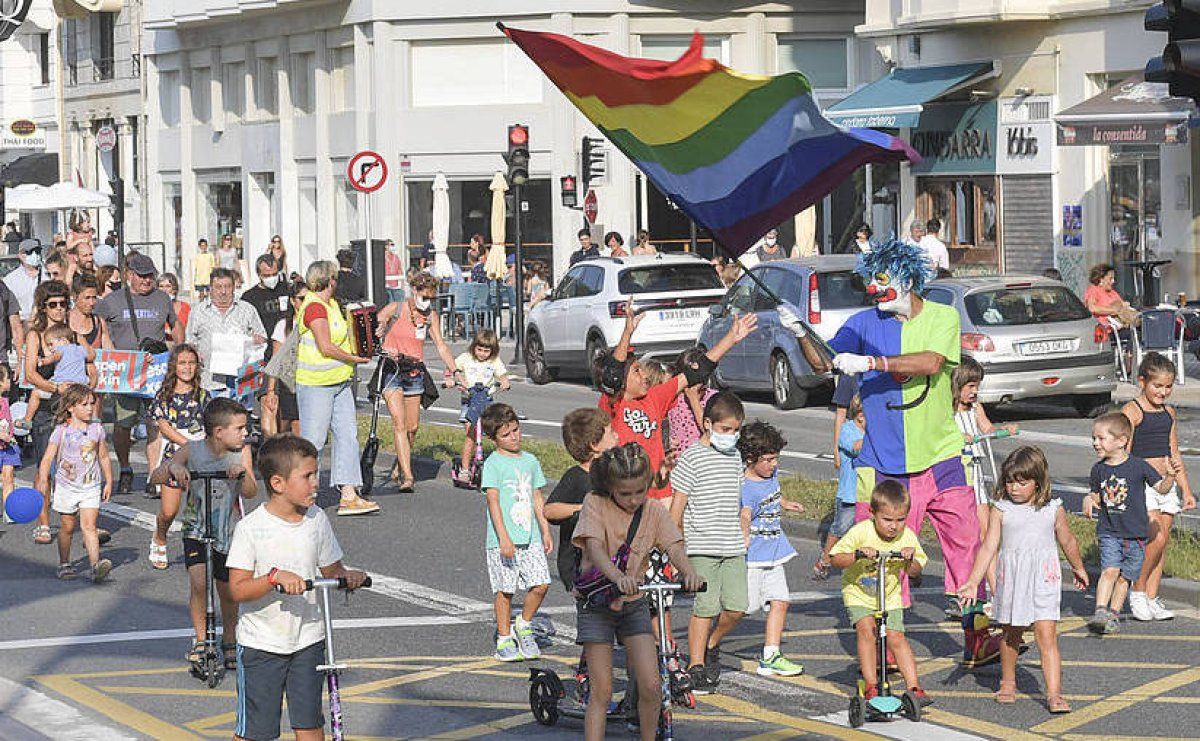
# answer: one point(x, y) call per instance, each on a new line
point(1092, 405)
point(786, 392)
point(535, 360)
point(595, 348)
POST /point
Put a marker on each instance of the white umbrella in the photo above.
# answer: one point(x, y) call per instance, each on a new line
point(495, 266)
point(441, 227)
point(58, 197)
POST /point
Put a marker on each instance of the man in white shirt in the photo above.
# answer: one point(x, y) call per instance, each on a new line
point(934, 248)
point(24, 280)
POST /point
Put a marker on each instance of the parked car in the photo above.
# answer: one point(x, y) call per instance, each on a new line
point(585, 314)
point(823, 287)
point(1034, 339)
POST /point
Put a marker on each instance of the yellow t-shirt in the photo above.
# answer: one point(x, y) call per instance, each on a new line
point(858, 581)
point(202, 267)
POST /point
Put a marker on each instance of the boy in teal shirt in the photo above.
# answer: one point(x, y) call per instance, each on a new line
point(518, 535)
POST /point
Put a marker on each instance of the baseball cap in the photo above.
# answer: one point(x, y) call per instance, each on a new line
point(29, 245)
point(105, 255)
point(141, 264)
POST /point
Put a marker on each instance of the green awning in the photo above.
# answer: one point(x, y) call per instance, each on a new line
point(896, 100)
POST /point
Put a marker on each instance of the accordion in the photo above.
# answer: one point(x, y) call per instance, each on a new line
point(364, 322)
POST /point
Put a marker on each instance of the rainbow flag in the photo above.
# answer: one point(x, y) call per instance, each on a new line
point(737, 153)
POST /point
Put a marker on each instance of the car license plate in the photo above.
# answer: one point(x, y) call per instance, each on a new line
point(681, 315)
point(1046, 347)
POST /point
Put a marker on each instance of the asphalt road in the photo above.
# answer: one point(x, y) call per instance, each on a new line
point(105, 662)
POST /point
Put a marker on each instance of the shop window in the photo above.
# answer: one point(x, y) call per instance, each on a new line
point(825, 62)
point(967, 210)
point(471, 213)
point(220, 209)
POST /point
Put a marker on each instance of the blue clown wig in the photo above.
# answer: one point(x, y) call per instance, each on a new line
point(905, 263)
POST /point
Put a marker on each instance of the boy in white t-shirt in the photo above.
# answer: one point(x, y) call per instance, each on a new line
point(281, 637)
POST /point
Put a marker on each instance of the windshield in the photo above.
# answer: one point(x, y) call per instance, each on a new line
point(699, 276)
point(843, 290)
point(1007, 307)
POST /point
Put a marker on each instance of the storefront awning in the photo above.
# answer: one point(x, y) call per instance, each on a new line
point(896, 100)
point(38, 169)
point(1132, 112)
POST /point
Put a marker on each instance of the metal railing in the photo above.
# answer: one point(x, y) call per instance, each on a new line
point(103, 69)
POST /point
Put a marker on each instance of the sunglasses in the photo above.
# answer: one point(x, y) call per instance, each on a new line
point(58, 303)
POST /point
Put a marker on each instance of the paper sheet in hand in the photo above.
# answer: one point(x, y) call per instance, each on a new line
point(228, 353)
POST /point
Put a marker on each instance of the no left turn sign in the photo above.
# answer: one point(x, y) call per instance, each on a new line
point(367, 171)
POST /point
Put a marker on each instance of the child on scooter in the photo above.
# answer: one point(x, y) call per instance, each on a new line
point(480, 365)
point(973, 421)
point(223, 450)
point(518, 536)
point(855, 554)
point(82, 479)
point(621, 477)
point(1026, 523)
point(281, 638)
point(177, 413)
point(767, 546)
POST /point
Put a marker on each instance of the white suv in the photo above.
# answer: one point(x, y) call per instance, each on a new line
point(585, 314)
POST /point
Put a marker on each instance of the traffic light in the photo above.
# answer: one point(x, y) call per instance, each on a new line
point(570, 194)
point(1179, 65)
point(117, 185)
point(593, 160)
point(518, 154)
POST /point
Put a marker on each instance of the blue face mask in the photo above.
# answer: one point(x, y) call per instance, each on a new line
point(723, 442)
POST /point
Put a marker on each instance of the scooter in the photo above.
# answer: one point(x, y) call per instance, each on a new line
point(370, 451)
point(983, 467)
point(547, 694)
point(330, 668)
point(470, 476)
point(885, 706)
point(211, 668)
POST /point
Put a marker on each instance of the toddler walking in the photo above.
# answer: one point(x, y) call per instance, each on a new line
point(1025, 526)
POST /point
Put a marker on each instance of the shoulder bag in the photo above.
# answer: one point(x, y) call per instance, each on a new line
point(595, 589)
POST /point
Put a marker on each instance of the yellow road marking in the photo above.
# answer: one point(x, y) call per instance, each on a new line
point(205, 724)
point(1133, 637)
point(169, 691)
point(1119, 702)
point(143, 723)
point(491, 726)
point(380, 684)
point(1020, 695)
point(425, 702)
point(126, 673)
point(1179, 700)
point(981, 727)
point(752, 711)
point(1106, 737)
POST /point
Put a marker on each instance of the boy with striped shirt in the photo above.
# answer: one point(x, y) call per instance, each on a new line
point(707, 504)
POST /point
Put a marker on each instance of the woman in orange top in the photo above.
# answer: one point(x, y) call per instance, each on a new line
point(405, 325)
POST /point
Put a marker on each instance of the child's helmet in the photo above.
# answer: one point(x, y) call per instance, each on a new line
point(611, 373)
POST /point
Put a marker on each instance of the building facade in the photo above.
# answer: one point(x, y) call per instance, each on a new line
point(1026, 166)
point(254, 110)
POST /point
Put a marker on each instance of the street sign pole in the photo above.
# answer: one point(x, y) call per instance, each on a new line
point(367, 252)
point(367, 172)
point(518, 278)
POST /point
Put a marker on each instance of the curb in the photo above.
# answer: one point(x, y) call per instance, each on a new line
point(1172, 589)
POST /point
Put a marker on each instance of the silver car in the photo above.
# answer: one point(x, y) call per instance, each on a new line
point(1034, 339)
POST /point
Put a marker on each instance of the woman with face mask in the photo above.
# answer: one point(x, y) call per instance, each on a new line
point(405, 326)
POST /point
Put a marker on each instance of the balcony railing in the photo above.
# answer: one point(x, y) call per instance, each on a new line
point(101, 70)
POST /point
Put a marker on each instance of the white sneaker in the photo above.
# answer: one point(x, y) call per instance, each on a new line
point(1140, 606)
point(1159, 610)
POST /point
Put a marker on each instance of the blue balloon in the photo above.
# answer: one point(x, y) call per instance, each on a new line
point(23, 505)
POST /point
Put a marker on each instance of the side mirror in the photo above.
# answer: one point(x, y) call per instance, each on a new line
point(716, 311)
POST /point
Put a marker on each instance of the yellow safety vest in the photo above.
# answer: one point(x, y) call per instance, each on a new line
point(312, 367)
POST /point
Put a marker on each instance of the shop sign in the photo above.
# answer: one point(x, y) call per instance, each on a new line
point(22, 134)
point(1145, 132)
point(956, 139)
point(1025, 148)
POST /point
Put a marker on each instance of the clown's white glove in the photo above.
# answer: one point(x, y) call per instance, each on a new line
point(852, 364)
point(791, 321)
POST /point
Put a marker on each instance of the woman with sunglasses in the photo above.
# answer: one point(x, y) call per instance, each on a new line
point(279, 253)
point(50, 304)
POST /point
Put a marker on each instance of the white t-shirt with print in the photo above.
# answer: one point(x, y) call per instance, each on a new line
point(282, 623)
point(486, 372)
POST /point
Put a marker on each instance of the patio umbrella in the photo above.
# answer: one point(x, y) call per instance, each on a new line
point(495, 265)
point(441, 227)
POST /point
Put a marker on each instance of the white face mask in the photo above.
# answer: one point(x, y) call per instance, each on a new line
point(724, 442)
point(771, 241)
point(32, 259)
point(421, 303)
point(271, 281)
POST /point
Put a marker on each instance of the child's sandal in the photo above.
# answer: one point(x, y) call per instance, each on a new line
point(41, 535)
point(1057, 705)
point(196, 655)
point(1007, 694)
point(820, 570)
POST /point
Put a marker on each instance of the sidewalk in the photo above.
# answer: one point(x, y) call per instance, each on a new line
point(1185, 395)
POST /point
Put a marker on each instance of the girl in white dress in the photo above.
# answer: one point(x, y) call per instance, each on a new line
point(1025, 526)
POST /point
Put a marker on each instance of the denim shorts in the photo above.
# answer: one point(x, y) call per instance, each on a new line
point(411, 384)
point(843, 518)
point(601, 625)
point(1126, 554)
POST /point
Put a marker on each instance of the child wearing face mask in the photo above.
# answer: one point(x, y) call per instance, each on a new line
point(707, 504)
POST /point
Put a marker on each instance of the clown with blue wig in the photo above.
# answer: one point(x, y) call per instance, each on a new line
point(903, 352)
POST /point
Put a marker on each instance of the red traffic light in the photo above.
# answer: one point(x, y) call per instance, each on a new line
point(518, 135)
point(568, 183)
